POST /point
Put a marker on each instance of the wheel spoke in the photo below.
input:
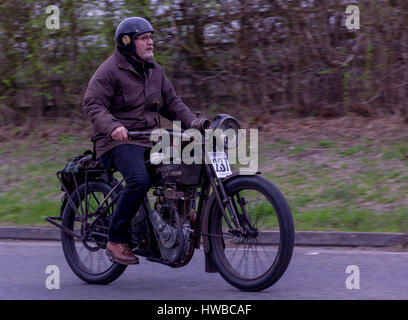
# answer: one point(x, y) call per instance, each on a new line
point(89, 254)
point(245, 255)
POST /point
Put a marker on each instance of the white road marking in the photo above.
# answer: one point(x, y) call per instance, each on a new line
point(312, 253)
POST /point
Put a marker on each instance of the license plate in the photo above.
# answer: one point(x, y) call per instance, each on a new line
point(220, 164)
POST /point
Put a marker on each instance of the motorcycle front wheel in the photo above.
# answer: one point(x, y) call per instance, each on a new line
point(253, 256)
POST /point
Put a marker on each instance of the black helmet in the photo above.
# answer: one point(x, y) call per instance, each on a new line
point(127, 30)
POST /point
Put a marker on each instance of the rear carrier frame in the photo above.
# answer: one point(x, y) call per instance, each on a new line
point(81, 170)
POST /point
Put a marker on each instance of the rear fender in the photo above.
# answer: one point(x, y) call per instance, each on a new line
point(64, 200)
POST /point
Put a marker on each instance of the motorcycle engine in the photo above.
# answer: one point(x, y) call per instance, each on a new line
point(172, 220)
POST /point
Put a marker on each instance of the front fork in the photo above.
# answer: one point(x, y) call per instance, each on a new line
point(239, 224)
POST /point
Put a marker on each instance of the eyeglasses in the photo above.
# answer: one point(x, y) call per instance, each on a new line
point(145, 38)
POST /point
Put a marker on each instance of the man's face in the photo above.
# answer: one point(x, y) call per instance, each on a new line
point(144, 45)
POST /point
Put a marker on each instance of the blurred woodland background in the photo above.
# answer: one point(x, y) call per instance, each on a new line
point(255, 57)
point(330, 104)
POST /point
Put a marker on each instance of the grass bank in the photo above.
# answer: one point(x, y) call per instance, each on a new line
point(345, 174)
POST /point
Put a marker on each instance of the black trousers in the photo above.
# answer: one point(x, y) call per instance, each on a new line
point(129, 161)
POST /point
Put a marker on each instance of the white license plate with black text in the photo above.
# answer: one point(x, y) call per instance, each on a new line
point(220, 164)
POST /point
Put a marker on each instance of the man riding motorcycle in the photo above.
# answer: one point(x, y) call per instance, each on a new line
point(114, 102)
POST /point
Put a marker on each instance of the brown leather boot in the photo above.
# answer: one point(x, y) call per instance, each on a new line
point(120, 253)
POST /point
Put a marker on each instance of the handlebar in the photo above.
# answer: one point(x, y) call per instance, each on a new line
point(199, 123)
point(134, 134)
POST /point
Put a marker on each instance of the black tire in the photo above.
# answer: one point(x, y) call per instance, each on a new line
point(110, 271)
point(225, 246)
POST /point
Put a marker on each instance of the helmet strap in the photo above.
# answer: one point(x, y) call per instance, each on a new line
point(135, 55)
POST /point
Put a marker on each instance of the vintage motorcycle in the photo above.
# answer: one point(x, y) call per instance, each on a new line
point(242, 222)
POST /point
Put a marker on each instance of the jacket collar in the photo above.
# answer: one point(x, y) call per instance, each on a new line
point(124, 64)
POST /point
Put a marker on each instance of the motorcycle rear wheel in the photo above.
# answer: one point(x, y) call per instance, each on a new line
point(87, 258)
point(249, 260)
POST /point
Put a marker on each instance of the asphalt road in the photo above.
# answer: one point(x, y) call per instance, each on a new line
point(314, 273)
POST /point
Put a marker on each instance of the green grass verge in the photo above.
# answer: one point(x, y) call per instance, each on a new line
point(332, 185)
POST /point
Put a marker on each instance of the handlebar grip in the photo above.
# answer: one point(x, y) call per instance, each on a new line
point(135, 134)
point(200, 124)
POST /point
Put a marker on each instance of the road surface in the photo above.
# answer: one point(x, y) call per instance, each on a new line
point(314, 273)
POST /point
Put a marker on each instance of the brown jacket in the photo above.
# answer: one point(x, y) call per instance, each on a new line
point(115, 97)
